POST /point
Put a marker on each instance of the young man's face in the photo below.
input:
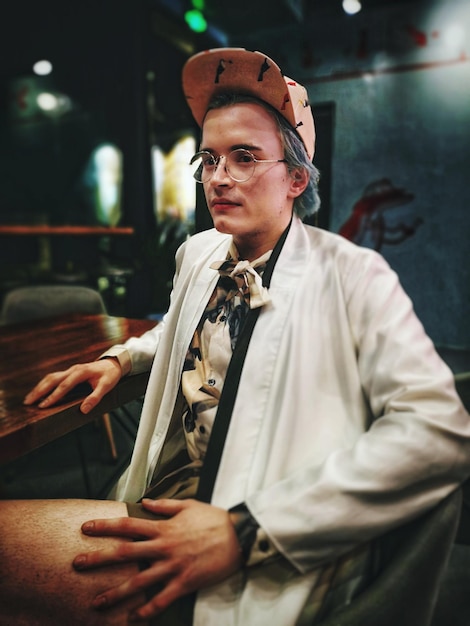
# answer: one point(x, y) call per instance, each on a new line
point(256, 211)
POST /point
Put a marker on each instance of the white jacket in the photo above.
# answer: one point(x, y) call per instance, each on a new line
point(346, 422)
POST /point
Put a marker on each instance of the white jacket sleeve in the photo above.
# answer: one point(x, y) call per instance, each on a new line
point(137, 353)
point(416, 451)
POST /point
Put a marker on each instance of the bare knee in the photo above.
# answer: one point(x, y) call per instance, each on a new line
point(38, 585)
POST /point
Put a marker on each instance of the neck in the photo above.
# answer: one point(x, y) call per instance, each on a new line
point(251, 248)
point(248, 253)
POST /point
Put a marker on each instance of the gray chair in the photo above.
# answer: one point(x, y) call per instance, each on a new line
point(411, 563)
point(462, 384)
point(41, 301)
point(453, 605)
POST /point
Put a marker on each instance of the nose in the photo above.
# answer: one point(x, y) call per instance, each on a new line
point(220, 175)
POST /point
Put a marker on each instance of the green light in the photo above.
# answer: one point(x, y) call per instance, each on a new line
point(199, 4)
point(196, 21)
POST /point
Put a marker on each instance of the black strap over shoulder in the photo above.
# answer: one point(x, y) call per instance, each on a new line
point(230, 388)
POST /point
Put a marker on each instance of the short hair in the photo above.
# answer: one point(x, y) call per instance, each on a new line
point(295, 153)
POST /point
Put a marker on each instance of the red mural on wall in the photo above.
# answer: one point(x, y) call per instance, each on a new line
point(375, 219)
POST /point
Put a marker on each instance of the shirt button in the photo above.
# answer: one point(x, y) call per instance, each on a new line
point(223, 318)
point(263, 545)
point(211, 382)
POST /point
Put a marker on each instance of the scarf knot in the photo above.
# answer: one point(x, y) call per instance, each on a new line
point(247, 279)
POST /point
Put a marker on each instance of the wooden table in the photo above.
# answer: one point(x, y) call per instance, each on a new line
point(30, 350)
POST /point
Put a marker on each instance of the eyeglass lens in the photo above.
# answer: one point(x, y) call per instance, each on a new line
point(240, 165)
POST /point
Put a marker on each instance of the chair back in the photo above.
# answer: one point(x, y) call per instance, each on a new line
point(40, 301)
point(411, 562)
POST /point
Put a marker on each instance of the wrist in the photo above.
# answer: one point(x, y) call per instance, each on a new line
point(121, 355)
point(113, 361)
point(246, 528)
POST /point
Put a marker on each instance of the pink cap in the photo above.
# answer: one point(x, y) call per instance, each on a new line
point(236, 69)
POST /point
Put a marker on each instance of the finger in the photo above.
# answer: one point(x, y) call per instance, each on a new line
point(125, 552)
point(159, 602)
point(102, 383)
point(130, 527)
point(61, 390)
point(61, 383)
point(43, 387)
point(163, 506)
point(132, 586)
point(100, 558)
point(93, 399)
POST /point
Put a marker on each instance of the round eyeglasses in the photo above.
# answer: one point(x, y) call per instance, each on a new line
point(239, 164)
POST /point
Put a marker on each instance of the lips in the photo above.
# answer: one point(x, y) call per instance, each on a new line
point(221, 204)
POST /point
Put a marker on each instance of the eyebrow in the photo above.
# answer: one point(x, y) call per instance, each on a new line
point(237, 146)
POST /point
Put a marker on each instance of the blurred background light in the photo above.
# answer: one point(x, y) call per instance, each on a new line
point(54, 104)
point(42, 68)
point(108, 168)
point(196, 21)
point(47, 101)
point(454, 36)
point(351, 6)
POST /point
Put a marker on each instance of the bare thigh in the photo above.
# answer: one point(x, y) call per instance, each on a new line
point(38, 585)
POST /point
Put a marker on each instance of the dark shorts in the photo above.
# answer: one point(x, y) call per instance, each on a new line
point(135, 509)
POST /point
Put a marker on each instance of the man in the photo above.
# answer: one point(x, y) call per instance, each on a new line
point(342, 422)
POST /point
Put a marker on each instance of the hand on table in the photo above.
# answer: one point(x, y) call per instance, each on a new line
point(194, 547)
point(101, 375)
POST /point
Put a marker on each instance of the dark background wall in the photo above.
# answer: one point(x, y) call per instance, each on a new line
point(398, 76)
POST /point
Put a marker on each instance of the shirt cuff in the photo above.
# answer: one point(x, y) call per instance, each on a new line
point(255, 544)
point(262, 549)
point(122, 355)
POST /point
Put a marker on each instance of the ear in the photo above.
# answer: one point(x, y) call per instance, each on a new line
point(299, 181)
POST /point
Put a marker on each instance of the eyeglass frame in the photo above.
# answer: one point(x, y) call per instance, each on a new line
point(217, 162)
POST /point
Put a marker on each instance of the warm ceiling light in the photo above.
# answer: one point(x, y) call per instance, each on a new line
point(351, 6)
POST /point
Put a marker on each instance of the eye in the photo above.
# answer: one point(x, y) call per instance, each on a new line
point(243, 157)
point(208, 160)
